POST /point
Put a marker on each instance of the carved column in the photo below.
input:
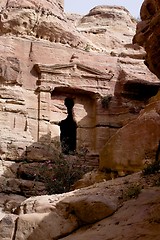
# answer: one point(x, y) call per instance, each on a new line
point(44, 98)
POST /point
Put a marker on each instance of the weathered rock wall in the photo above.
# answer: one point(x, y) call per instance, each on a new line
point(138, 141)
point(19, 96)
point(147, 34)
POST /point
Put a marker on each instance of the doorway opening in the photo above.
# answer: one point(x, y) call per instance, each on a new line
point(68, 129)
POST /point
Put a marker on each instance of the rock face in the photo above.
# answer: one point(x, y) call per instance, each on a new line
point(41, 19)
point(47, 56)
point(128, 147)
point(147, 34)
point(110, 28)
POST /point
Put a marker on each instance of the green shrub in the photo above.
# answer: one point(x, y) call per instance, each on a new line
point(106, 100)
point(87, 47)
point(155, 214)
point(152, 168)
point(59, 175)
point(157, 182)
point(132, 191)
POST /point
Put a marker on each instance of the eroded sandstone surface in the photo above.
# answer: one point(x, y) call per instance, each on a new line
point(147, 34)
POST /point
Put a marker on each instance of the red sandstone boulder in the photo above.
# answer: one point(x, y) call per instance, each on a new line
point(136, 143)
point(147, 34)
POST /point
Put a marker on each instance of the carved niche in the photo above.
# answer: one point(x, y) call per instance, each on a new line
point(74, 80)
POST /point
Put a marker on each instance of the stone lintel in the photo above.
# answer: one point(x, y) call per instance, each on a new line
point(88, 72)
point(77, 91)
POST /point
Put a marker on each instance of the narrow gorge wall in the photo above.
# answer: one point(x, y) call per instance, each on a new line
point(137, 143)
point(147, 34)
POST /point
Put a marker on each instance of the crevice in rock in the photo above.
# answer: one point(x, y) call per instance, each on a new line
point(141, 91)
point(15, 230)
point(110, 125)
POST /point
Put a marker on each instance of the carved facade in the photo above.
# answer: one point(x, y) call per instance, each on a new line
point(32, 95)
point(79, 82)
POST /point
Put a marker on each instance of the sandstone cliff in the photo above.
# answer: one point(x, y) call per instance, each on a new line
point(95, 59)
point(147, 34)
point(118, 150)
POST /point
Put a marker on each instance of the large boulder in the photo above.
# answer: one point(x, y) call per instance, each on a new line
point(136, 143)
point(54, 216)
point(138, 218)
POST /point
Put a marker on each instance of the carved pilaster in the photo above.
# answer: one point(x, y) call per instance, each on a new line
point(44, 98)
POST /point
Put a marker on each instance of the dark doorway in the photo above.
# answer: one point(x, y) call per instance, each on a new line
point(68, 129)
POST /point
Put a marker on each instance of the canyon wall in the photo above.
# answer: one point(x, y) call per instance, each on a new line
point(138, 141)
point(147, 34)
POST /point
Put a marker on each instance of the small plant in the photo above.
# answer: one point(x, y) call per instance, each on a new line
point(106, 100)
point(152, 168)
point(87, 47)
point(59, 175)
point(132, 191)
point(157, 182)
point(155, 219)
point(155, 214)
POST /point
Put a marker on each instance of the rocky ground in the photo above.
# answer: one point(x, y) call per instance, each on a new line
point(123, 208)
